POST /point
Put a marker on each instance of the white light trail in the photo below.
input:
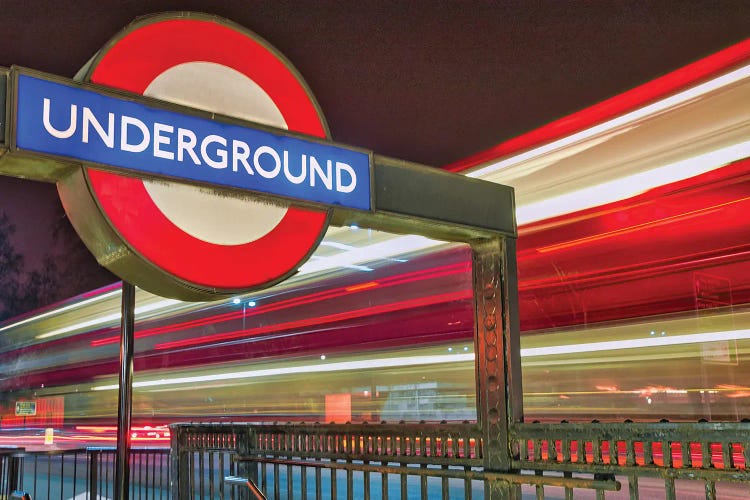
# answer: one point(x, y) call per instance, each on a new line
point(103, 320)
point(625, 120)
point(304, 369)
point(443, 359)
point(334, 244)
point(357, 256)
point(612, 345)
point(56, 311)
point(367, 364)
point(631, 185)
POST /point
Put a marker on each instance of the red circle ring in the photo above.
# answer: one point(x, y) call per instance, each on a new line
point(131, 64)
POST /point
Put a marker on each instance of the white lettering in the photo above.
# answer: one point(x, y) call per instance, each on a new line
point(221, 153)
point(60, 134)
point(303, 170)
point(125, 123)
point(268, 174)
point(107, 137)
point(326, 177)
point(159, 139)
point(240, 153)
point(186, 141)
point(268, 161)
point(344, 167)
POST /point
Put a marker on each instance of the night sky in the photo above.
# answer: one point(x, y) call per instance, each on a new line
point(426, 81)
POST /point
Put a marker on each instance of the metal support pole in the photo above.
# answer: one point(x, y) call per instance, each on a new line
point(512, 329)
point(125, 401)
point(498, 365)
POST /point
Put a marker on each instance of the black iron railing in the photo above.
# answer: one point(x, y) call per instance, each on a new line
point(360, 461)
point(10, 473)
point(82, 473)
point(664, 452)
point(239, 461)
point(445, 460)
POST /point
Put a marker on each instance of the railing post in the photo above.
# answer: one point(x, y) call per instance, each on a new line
point(179, 475)
point(4, 459)
point(246, 441)
point(498, 362)
point(93, 457)
point(15, 468)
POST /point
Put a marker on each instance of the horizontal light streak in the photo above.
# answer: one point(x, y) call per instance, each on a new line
point(303, 369)
point(143, 433)
point(318, 320)
point(613, 345)
point(310, 298)
point(442, 359)
point(377, 251)
point(339, 246)
point(54, 312)
point(102, 320)
point(632, 185)
point(113, 428)
point(621, 121)
point(638, 227)
point(362, 286)
point(644, 392)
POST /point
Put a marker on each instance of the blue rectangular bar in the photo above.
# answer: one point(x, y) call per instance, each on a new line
point(82, 124)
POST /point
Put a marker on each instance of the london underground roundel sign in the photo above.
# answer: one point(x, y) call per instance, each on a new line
point(186, 241)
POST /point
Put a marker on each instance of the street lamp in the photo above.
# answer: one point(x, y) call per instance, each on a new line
point(245, 305)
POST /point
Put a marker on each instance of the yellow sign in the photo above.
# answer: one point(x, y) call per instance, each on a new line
point(25, 408)
point(49, 435)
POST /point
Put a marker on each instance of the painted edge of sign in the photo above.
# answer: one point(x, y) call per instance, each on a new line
point(4, 112)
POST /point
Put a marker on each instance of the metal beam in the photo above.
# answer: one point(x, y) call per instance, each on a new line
point(409, 189)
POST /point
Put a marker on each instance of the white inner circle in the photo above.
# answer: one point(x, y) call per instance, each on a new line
point(200, 213)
